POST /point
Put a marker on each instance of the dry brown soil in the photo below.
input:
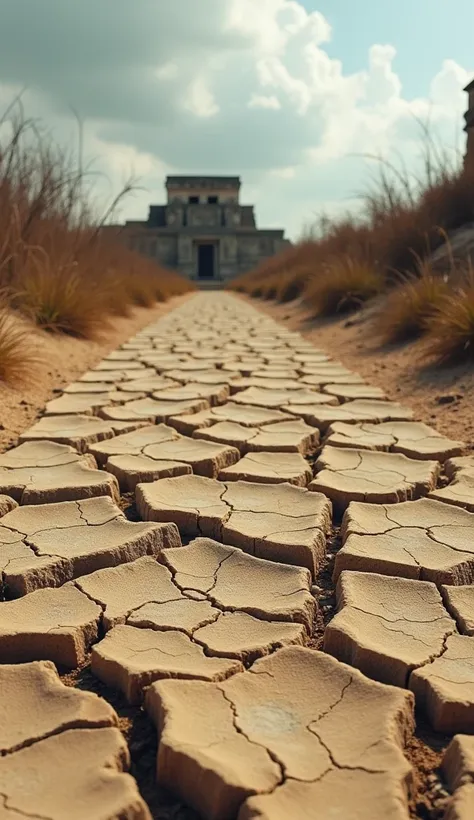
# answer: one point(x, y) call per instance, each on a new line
point(440, 396)
point(62, 359)
point(400, 372)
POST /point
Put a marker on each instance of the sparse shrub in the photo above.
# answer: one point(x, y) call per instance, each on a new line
point(291, 285)
point(18, 356)
point(408, 309)
point(59, 264)
point(402, 218)
point(343, 287)
point(451, 328)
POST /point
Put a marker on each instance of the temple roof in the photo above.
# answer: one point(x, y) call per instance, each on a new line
point(202, 181)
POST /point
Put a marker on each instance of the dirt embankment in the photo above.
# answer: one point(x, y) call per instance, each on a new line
point(440, 396)
point(62, 360)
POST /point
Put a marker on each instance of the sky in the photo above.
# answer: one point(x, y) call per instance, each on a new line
point(294, 96)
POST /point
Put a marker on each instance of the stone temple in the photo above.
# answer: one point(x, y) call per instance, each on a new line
point(203, 231)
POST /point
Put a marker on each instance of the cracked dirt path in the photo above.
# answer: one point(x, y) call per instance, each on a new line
point(218, 425)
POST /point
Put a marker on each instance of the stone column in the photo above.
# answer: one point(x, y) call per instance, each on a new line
point(228, 257)
point(185, 256)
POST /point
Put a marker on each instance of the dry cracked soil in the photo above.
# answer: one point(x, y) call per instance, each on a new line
point(237, 582)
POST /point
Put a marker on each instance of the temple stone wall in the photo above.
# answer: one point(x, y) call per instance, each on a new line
point(203, 231)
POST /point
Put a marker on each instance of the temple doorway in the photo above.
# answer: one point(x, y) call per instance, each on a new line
point(206, 259)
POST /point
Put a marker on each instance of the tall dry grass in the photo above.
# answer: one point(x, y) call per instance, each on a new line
point(59, 267)
point(450, 329)
point(403, 220)
point(409, 308)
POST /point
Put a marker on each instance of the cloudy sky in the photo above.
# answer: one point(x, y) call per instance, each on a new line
point(289, 94)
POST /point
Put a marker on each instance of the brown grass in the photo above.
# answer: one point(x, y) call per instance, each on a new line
point(18, 359)
point(59, 267)
point(345, 285)
point(409, 308)
point(451, 327)
point(346, 262)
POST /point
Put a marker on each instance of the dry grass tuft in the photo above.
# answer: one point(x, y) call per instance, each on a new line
point(451, 328)
point(60, 265)
point(18, 359)
point(403, 219)
point(345, 285)
point(408, 310)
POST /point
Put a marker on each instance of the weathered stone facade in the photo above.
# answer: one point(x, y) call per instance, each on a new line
point(203, 231)
point(469, 127)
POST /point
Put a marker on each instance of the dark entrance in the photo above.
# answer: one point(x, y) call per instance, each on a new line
point(206, 261)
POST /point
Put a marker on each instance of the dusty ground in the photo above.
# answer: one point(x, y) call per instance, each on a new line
point(62, 360)
point(397, 371)
point(439, 396)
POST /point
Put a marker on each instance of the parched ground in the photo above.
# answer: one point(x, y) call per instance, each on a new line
point(237, 580)
point(61, 360)
point(442, 396)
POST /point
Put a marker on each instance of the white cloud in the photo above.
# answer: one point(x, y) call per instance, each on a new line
point(262, 101)
point(199, 100)
point(242, 87)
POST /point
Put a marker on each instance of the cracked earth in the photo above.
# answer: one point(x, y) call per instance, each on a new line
point(236, 582)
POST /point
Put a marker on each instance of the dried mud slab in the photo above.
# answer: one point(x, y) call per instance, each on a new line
point(131, 470)
point(202, 377)
point(194, 503)
point(412, 438)
point(130, 659)
point(349, 392)
point(50, 624)
point(161, 362)
point(298, 735)
point(278, 522)
point(41, 721)
point(123, 589)
point(35, 704)
point(353, 412)
point(185, 614)
point(424, 540)
point(152, 410)
point(458, 769)
point(115, 376)
point(460, 490)
point(268, 382)
point(146, 386)
point(76, 431)
point(346, 475)
point(286, 436)
point(270, 468)
point(233, 580)
point(445, 688)
point(44, 472)
point(171, 458)
point(111, 364)
point(275, 372)
point(459, 601)
point(213, 393)
point(121, 356)
point(133, 443)
point(387, 627)
point(261, 397)
point(71, 403)
point(90, 387)
point(317, 379)
point(206, 458)
point(48, 544)
point(97, 788)
point(231, 412)
point(241, 636)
